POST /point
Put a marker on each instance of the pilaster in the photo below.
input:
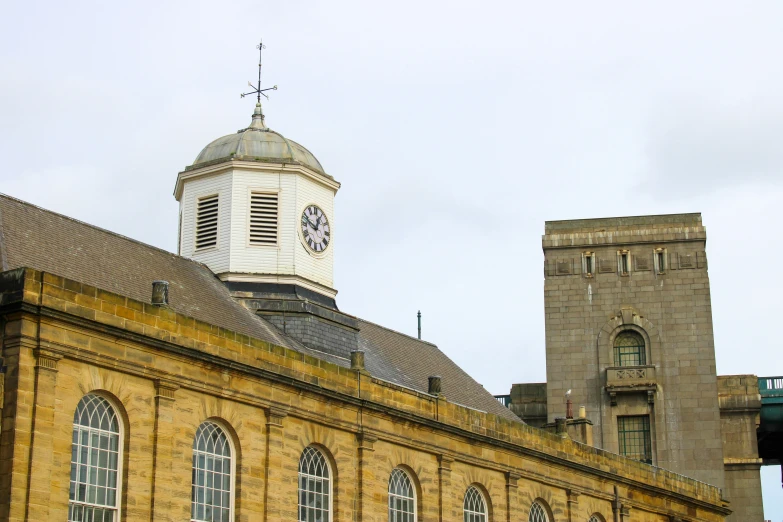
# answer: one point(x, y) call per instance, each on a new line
point(20, 339)
point(365, 476)
point(39, 482)
point(445, 498)
point(573, 504)
point(512, 480)
point(165, 483)
point(275, 507)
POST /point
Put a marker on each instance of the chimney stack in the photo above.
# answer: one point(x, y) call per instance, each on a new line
point(160, 293)
point(357, 360)
point(433, 387)
point(561, 428)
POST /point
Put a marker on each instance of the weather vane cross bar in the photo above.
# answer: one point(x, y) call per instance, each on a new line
point(257, 90)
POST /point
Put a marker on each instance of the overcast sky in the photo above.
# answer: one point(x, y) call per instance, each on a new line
point(442, 122)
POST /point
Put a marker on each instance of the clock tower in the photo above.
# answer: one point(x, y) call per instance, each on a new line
point(258, 209)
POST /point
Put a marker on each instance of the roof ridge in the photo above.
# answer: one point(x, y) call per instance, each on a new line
point(398, 333)
point(101, 229)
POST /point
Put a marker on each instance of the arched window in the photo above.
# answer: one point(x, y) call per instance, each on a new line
point(402, 497)
point(95, 462)
point(315, 487)
point(213, 475)
point(596, 518)
point(474, 508)
point(538, 513)
point(629, 349)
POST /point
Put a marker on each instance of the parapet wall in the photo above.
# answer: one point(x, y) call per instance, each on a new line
point(624, 230)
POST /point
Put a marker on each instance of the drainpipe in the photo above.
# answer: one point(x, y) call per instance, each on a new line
point(616, 506)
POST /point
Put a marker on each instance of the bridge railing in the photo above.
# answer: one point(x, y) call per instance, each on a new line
point(771, 387)
point(505, 400)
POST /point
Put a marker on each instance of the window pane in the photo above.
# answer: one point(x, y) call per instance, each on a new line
point(474, 507)
point(314, 487)
point(93, 466)
point(537, 513)
point(402, 503)
point(629, 349)
point(634, 437)
point(212, 479)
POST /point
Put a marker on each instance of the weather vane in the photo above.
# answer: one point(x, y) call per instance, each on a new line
point(257, 90)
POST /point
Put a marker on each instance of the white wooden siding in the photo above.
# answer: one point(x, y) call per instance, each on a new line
point(263, 259)
point(319, 269)
point(235, 254)
point(217, 259)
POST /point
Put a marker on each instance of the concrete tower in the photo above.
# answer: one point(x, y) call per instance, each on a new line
point(629, 330)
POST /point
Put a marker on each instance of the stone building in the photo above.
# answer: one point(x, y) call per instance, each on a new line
point(629, 331)
point(225, 383)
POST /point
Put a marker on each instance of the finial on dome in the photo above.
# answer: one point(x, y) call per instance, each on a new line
point(257, 90)
point(258, 118)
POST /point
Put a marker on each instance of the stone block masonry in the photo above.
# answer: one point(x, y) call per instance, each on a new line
point(165, 374)
point(646, 275)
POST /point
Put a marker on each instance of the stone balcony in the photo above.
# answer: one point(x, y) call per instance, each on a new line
point(631, 379)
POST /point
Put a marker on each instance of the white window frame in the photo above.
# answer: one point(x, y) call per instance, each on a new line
point(233, 479)
point(470, 515)
point(250, 192)
point(592, 261)
point(329, 479)
point(660, 268)
point(627, 254)
point(413, 496)
point(197, 199)
point(120, 456)
point(542, 511)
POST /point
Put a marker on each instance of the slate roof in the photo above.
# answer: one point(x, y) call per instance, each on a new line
point(36, 238)
point(408, 361)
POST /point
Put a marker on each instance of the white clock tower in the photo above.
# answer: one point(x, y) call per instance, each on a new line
point(258, 210)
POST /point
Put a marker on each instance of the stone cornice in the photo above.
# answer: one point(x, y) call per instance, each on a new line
point(231, 164)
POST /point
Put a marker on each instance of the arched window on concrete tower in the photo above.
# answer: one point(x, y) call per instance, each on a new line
point(629, 349)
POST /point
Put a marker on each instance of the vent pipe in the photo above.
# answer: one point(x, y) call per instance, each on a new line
point(418, 315)
point(160, 293)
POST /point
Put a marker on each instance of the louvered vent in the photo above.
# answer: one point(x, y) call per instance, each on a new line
point(206, 222)
point(263, 218)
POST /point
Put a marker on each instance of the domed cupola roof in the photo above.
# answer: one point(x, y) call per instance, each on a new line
point(256, 143)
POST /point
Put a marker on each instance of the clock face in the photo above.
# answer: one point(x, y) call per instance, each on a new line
point(315, 229)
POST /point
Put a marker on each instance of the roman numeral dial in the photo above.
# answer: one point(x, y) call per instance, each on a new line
point(316, 233)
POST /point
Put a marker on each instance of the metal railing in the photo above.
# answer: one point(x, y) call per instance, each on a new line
point(771, 386)
point(505, 400)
